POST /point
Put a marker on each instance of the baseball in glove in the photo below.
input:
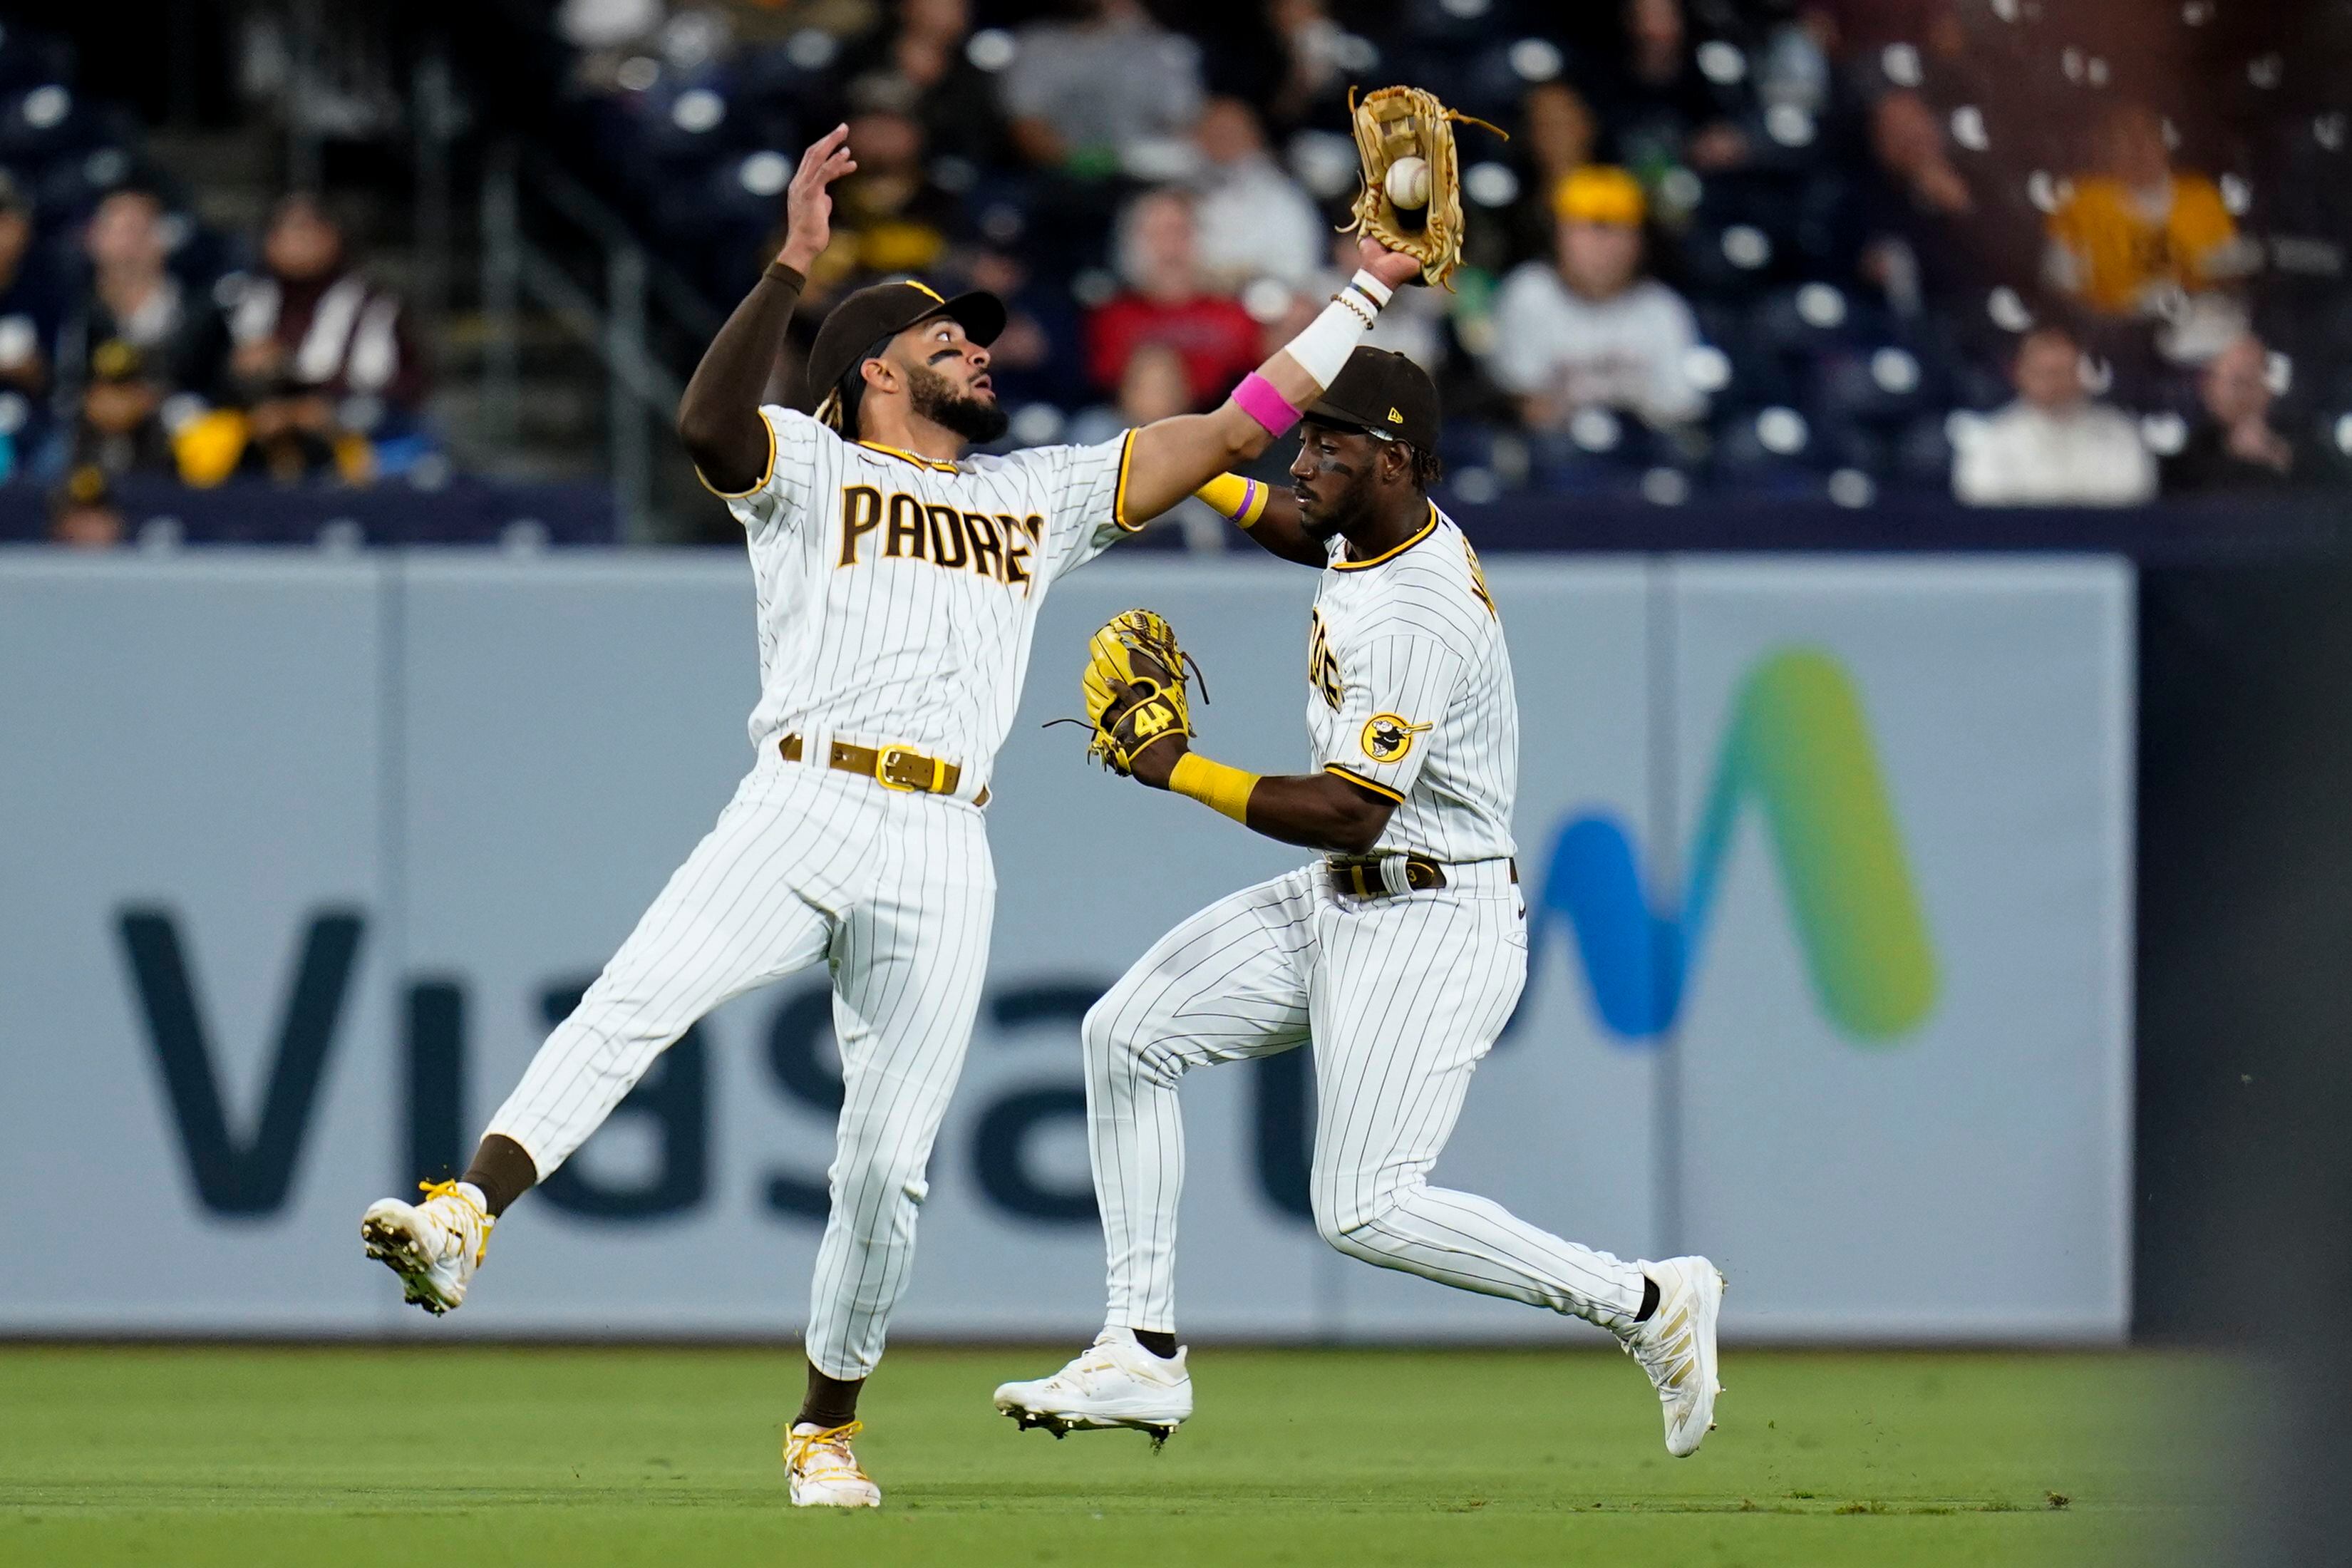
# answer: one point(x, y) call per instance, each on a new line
point(1411, 199)
point(1135, 687)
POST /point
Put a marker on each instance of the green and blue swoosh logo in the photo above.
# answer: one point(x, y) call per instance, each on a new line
point(1799, 750)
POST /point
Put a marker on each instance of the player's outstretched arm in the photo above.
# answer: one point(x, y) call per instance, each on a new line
point(1268, 514)
point(719, 419)
point(1171, 459)
point(1136, 700)
point(1320, 811)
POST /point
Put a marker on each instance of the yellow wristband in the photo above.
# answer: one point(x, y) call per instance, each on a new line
point(1213, 785)
point(1240, 499)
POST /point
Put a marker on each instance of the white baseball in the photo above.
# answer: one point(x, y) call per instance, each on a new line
point(1408, 182)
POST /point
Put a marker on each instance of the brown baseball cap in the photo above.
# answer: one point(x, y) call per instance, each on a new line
point(1383, 394)
point(862, 323)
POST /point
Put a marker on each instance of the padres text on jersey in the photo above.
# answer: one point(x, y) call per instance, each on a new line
point(898, 594)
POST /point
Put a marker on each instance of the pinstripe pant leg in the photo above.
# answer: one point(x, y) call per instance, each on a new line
point(1409, 998)
point(908, 964)
point(1228, 983)
point(729, 919)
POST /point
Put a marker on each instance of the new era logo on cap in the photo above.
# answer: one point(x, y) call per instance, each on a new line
point(1383, 394)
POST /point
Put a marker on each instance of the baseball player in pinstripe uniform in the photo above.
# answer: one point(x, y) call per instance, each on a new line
point(898, 581)
point(1399, 957)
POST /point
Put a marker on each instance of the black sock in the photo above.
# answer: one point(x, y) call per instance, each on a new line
point(502, 1170)
point(830, 1401)
point(1649, 1300)
point(1162, 1345)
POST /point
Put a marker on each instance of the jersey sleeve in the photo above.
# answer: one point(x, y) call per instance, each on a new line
point(1394, 693)
point(1085, 497)
point(796, 448)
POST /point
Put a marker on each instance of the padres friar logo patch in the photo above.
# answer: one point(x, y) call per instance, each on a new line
point(1388, 737)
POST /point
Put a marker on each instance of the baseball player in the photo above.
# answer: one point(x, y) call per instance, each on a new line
point(1397, 957)
point(899, 583)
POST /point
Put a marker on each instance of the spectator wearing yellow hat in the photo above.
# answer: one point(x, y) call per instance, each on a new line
point(1588, 330)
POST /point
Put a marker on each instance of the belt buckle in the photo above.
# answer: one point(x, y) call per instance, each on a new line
point(890, 756)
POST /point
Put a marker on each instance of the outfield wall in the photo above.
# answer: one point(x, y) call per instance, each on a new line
point(1830, 864)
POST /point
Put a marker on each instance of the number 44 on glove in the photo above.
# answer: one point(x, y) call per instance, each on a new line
point(1411, 199)
point(1135, 689)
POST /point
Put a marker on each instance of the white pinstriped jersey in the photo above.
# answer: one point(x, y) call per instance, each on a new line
point(1410, 693)
point(898, 594)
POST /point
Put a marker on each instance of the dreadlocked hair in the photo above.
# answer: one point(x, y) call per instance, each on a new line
point(1427, 469)
point(828, 411)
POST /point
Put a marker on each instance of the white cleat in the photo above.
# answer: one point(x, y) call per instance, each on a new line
point(823, 1472)
point(1676, 1347)
point(434, 1247)
point(1115, 1382)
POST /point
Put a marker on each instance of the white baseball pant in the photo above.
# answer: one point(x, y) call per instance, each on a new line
point(1400, 997)
point(897, 892)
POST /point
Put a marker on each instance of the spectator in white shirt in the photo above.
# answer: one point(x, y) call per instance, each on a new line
point(2054, 446)
point(1255, 221)
point(1589, 331)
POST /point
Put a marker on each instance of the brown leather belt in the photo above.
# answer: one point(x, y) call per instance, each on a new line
point(1359, 875)
point(892, 767)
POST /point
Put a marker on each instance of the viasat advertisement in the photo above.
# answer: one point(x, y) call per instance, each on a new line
point(1827, 863)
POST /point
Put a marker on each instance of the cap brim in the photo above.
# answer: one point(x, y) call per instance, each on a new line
point(982, 316)
point(1325, 413)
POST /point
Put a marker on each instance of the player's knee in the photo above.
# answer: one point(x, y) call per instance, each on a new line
point(1349, 1223)
point(1366, 1211)
point(1112, 1038)
point(1096, 1029)
point(889, 1171)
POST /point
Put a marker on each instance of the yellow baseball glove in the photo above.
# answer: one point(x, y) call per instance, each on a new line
point(1411, 199)
point(1135, 689)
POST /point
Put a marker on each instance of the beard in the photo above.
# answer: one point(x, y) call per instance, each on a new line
point(1319, 527)
point(1334, 509)
point(935, 398)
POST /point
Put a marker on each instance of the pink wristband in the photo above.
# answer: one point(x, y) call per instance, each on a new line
point(1260, 401)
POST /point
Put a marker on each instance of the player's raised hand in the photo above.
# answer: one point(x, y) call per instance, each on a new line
point(1392, 268)
point(808, 203)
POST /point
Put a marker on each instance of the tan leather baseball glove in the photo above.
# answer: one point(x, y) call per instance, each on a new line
point(1393, 126)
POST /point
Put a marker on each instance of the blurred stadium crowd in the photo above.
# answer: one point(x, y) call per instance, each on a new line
point(2026, 252)
point(134, 342)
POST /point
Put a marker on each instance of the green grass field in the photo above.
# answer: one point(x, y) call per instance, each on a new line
point(475, 1457)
